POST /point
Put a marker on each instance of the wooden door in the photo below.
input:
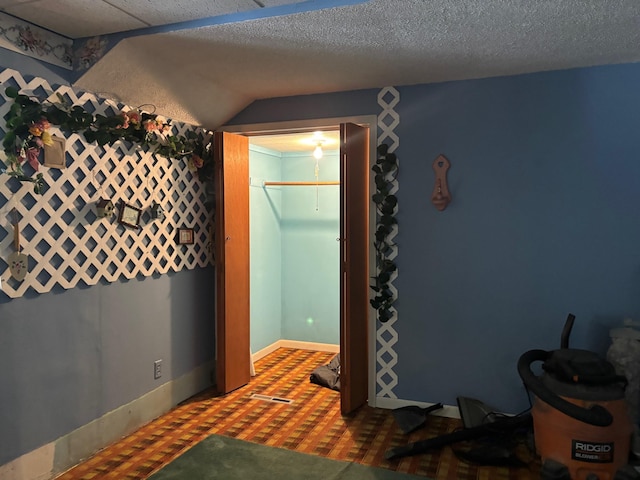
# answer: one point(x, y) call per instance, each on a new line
point(354, 260)
point(231, 157)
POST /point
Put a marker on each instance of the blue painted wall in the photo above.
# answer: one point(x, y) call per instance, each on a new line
point(294, 253)
point(266, 255)
point(545, 180)
point(310, 252)
point(30, 66)
point(70, 356)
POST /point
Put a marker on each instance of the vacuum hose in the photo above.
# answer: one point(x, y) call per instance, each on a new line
point(595, 415)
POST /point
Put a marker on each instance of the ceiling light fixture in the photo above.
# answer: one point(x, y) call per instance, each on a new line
point(317, 152)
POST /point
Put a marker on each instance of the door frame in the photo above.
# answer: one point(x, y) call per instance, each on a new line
point(333, 123)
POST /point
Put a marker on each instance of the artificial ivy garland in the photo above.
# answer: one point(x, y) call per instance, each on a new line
point(28, 121)
point(386, 171)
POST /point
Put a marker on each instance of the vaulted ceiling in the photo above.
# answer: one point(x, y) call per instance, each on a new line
point(202, 61)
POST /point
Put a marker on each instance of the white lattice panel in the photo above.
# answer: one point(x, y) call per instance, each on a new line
point(386, 335)
point(67, 243)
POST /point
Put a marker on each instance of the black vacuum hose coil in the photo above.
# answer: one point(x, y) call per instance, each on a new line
point(595, 415)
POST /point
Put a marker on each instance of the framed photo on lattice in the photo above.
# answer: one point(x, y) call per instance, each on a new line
point(185, 236)
point(54, 154)
point(129, 215)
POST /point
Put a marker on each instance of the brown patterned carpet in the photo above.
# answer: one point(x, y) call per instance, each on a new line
point(311, 424)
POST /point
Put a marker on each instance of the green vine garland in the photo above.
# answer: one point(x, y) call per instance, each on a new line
point(28, 121)
point(386, 171)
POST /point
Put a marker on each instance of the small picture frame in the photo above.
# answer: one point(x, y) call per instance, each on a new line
point(55, 154)
point(129, 215)
point(185, 236)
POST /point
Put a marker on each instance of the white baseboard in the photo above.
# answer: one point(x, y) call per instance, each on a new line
point(58, 456)
point(319, 347)
point(35, 465)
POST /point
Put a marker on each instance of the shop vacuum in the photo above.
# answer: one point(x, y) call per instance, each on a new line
point(581, 424)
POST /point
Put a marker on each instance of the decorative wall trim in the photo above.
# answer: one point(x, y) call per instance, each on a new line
point(87, 53)
point(67, 243)
point(28, 39)
point(386, 335)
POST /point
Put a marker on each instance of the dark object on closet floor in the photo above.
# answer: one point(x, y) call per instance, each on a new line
point(412, 417)
point(328, 375)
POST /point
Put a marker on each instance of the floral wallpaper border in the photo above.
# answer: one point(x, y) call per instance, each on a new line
point(25, 38)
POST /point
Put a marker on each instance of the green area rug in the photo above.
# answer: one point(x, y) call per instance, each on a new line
point(230, 459)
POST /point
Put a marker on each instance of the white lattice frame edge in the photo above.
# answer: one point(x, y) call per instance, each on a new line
point(386, 356)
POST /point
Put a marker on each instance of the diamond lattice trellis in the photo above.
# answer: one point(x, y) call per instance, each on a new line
point(67, 243)
point(386, 335)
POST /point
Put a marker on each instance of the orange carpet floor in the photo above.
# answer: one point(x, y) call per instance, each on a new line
point(312, 424)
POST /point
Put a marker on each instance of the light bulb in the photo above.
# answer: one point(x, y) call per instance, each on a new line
point(317, 153)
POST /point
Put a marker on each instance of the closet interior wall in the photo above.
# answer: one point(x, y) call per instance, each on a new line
point(295, 252)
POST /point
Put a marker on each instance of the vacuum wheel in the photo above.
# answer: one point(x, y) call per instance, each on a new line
point(627, 473)
point(552, 470)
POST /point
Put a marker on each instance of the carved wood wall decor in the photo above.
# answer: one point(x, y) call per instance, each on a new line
point(441, 196)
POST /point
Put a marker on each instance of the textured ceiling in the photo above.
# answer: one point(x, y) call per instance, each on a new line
point(87, 18)
point(208, 74)
point(328, 140)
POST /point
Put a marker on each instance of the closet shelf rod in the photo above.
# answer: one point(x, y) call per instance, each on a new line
point(266, 184)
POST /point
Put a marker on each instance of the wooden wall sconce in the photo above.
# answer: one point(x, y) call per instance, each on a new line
point(441, 196)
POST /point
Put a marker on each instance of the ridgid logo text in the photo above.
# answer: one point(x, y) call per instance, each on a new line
point(593, 452)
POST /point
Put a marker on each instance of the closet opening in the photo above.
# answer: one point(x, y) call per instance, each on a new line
point(308, 257)
point(294, 219)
